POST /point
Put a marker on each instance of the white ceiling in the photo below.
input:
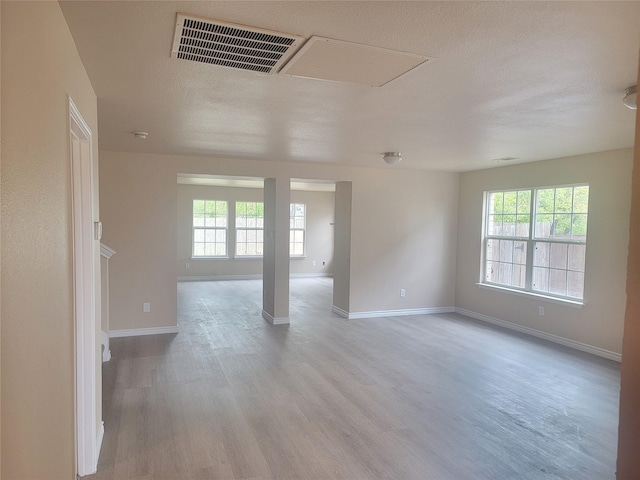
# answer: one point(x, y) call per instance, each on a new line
point(532, 80)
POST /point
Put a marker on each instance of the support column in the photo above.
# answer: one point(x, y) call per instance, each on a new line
point(629, 425)
point(275, 293)
point(342, 250)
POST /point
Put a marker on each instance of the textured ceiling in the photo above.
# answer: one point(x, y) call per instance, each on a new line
point(532, 80)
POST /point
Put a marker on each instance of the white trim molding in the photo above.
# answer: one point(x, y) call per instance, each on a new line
point(208, 278)
point(392, 313)
point(339, 311)
point(275, 320)
point(106, 252)
point(136, 332)
point(310, 275)
point(99, 439)
point(583, 347)
point(106, 353)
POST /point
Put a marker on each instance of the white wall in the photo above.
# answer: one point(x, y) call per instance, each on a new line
point(403, 231)
point(319, 232)
point(40, 66)
point(599, 322)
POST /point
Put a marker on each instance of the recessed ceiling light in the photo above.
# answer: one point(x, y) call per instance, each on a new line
point(141, 135)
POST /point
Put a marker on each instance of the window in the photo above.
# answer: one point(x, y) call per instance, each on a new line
point(535, 240)
point(209, 228)
point(249, 229)
point(297, 229)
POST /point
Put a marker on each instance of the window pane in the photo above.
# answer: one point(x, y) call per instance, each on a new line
point(495, 225)
point(540, 281)
point(541, 254)
point(506, 251)
point(241, 236)
point(545, 200)
point(576, 257)
point(221, 249)
point(210, 236)
point(198, 235)
point(510, 200)
point(558, 256)
point(493, 250)
point(198, 249)
point(522, 225)
point(221, 236)
point(495, 203)
point(519, 276)
point(241, 249)
point(543, 225)
point(564, 200)
point(251, 236)
point(524, 201)
point(561, 227)
point(579, 231)
point(581, 199)
point(198, 220)
point(209, 249)
point(575, 284)
point(504, 276)
point(198, 207)
point(558, 282)
point(491, 272)
point(520, 253)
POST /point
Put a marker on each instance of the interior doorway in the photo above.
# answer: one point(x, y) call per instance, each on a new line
point(86, 234)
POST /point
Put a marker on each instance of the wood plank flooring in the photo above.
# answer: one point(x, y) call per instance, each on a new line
point(423, 397)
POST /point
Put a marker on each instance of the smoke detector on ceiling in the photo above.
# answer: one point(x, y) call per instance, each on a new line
point(231, 45)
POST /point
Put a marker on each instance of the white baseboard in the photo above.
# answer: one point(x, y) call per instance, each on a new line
point(275, 321)
point(583, 347)
point(392, 313)
point(99, 441)
point(135, 332)
point(310, 275)
point(339, 311)
point(209, 278)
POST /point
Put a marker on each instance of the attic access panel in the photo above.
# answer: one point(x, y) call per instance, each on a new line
point(339, 61)
point(231, 45)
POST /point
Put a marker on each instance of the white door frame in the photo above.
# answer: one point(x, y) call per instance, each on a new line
point(88, 438)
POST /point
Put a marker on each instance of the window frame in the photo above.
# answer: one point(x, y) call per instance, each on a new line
point(293, 229)
point(531, 240)
point(246, 228)
point(206, 228)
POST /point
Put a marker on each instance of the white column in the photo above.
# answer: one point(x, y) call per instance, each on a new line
point(275, 297)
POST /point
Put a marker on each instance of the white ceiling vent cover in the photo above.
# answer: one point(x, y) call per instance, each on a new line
point(339, 61)
point(230, 45)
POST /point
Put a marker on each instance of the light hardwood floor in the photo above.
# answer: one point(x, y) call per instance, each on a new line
point(423, 397)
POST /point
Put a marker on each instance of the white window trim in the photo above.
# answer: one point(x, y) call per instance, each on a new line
point(304, 233)
point(235, 219)
point(531, 241)
point(193, 232)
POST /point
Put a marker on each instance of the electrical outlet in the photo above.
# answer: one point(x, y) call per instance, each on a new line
point(313, 263)
point(186, 265)
point(541, 311)
point(402, 292)
point(323, 263)
point(146, 307)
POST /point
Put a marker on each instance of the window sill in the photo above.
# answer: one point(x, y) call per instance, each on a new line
point(297, 257)
point(248, 257)
point(546, 298)
point(210, 257)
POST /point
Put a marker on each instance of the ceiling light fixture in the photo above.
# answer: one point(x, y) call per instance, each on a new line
point(392, 158)
point(630, 99)
point(141, 135)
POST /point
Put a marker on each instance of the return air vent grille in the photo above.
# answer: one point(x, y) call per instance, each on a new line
point(233, 46)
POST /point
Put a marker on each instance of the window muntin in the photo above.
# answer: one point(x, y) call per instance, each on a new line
point(297, 234)
point(249, 229)
point(209, 228)
point(535, 240)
